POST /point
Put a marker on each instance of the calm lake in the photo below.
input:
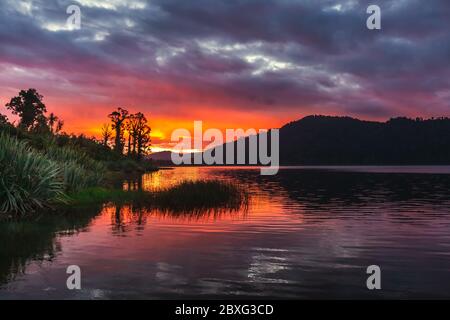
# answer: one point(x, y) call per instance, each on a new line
point(308, 232)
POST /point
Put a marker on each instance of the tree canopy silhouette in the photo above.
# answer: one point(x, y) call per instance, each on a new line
point(118, 120)
point(3, 119)
point(106, 134)
point(28, 106)
point(139, 134)
point(54, 123)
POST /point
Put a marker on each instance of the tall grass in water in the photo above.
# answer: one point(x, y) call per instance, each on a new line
point(185, 198)
point(201, 195)
point(28, 179)
point(31, 179)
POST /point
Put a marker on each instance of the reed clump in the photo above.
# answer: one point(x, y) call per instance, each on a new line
point(187, 196)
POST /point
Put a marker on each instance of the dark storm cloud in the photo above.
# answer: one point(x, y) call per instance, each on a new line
point(253, 54)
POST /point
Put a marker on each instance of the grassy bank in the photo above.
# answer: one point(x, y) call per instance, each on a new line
point(34, 178)
point(186, 196)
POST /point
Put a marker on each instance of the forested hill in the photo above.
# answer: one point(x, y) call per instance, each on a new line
point(321, 140)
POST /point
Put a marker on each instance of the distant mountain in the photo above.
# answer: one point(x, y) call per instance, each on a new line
point(161, 156)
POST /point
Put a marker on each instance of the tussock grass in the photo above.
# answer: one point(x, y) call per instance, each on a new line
point(187, 196)
point(28, 179)
point(199, 195)
point(32, 179)
point(79, 170)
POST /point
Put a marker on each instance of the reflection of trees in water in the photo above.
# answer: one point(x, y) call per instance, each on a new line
point(412, 198)
point(133, 183)
point(125, 218)
point(324, 187)
point(35, 239)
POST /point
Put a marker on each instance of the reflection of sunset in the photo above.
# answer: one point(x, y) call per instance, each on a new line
point(263, 205)
point(298, 230)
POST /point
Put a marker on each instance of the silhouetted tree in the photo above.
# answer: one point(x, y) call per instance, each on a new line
point(106, 134)
point(143, 141)
point(129, 129)
point(59, 126)
point(118, 118)
point(41, 125)
point(3, 119)
point(141, 134)
point(134, 127)
point(28, 106)
point(52, 120)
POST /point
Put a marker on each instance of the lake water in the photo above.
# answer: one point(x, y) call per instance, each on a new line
point(307, 233)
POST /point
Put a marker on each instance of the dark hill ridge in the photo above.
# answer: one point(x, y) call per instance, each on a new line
point(324, 140)
point(329, 140)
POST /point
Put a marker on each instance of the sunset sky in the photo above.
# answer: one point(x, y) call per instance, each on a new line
point(231, 63)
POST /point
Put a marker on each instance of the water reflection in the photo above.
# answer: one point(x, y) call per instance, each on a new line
point(38, 239)
point(305, 234)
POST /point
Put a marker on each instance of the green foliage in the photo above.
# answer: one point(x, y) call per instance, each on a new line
point(32, 179)
point(94, 149)
point(28, 179)
point(79, 170)
point(100, 195)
